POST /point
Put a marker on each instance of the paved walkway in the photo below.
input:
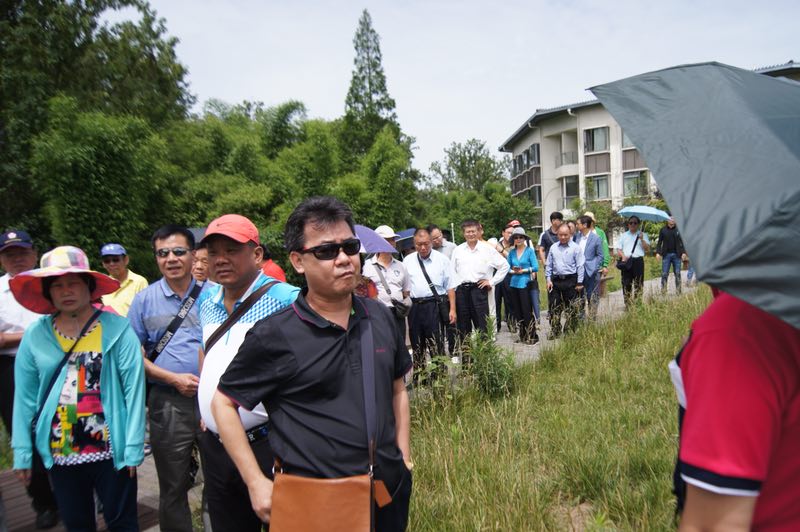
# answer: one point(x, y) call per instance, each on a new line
point(611, 307)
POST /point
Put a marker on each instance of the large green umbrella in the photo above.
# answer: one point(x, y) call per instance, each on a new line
point(724, 145)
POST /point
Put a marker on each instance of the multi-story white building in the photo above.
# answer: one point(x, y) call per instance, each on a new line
point(579, 151)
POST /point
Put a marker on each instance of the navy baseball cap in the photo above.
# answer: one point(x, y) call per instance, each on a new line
point(19, 239)
point(112, 249)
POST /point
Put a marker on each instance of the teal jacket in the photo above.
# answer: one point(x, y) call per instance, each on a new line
point(121, 390)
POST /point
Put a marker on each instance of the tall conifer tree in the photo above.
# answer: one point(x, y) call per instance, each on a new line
point(368, 106)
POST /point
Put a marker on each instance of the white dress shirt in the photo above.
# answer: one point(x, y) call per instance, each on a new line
point(473, 264)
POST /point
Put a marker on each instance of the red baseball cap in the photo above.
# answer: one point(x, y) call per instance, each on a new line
point(235, 227)
point(513, 223)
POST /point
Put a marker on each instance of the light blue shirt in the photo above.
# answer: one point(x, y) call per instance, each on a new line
point(151, 313)
point(625, 244)
point(439, 269)
point(565, 260)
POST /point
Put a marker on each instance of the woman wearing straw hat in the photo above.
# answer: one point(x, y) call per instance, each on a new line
point(79, 400)
point(524, 266)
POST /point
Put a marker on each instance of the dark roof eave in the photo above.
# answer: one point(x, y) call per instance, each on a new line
point(539, 115)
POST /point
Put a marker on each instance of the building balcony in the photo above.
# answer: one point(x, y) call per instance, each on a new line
point(569, 157)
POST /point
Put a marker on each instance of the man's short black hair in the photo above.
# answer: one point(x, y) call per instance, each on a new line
point(586, 220)
point(321, 212)
point(265, 249)
point(556, 215)
point(470, 222)
point(167, 231)
point(431, 227)
point(422, 230)
point(47, 282)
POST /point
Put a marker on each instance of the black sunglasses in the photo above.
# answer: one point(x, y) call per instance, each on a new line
point(178, 252)
point(351, 247)
point(112, 258)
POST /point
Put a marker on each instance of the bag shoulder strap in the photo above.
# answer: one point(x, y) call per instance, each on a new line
point(427, 278)
point(237, 313)
point(175, 324)
point(635, 241)
point(383, 279)
point(56, 373)
point(368, 383)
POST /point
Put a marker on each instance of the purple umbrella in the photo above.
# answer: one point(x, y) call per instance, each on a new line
point(372, 242)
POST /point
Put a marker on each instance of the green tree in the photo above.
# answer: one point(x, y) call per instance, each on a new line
point(100, 176)
point(368, 106)
point(469, 166)
point(52, 47)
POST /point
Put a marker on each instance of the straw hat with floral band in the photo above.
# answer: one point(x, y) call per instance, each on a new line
point(27, 286)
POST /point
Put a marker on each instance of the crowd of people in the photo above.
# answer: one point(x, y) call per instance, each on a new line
point(316, 390)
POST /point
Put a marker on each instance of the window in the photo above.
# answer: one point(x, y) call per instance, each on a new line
point(597, 187)
point(535, 195)
point(571, 187)
point(595, 139)
point(626, 142)
point(534, 154)
point(514, 167)
point(635, 183)
point(520, 166)
point(526, 159)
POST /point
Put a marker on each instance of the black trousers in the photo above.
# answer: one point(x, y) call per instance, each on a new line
point(394, 516)
point(502, 292)
point(564, 300)
point(39, 488)
point(472, 308)
point(633, 282)
point(426, 333)
point(228, 499)
point(523, 312)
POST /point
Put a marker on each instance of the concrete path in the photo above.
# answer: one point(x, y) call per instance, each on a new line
point(612, 306)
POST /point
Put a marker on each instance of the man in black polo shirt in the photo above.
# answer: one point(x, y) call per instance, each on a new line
point(304, 364)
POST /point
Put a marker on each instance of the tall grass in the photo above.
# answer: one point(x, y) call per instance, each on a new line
point(586, 441)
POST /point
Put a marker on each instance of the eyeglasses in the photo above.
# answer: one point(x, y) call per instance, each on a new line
point(111, 258)
point(178, 252)
point(351, 247)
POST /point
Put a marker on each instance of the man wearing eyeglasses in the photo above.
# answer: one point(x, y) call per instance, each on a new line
point(174, 374)
point(235, 257)
point(304, 364)
point(115, 261)
point(632, 245)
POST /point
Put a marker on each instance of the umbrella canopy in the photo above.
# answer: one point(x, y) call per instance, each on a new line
point(372, 242)
point(724, 145)
point(406, 238)
point(644, 212)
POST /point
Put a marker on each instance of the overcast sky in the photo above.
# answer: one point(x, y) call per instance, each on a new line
point(463, 69)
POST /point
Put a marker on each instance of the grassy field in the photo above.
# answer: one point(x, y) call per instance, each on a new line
point(587, 440)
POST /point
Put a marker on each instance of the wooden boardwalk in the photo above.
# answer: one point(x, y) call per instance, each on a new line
point(20, 516)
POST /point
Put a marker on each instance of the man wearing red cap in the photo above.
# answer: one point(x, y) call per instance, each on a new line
point(234, 261)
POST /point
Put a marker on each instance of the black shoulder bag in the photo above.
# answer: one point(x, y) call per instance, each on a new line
point(399, 308)
point(628, 264)
point(442, 302)
point(56, 373)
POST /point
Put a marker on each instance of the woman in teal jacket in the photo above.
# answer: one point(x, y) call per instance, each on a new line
point(90, 427)
point(524, 266)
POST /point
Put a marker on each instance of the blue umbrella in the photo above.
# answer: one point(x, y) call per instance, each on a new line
point(372, 242)
point(643, 212)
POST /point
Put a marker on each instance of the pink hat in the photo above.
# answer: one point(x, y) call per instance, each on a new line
point(235, 227)
point(27, 286)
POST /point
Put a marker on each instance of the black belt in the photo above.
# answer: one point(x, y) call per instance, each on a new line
point(420, 300)
point(253, 435)
point(468, 285)
point(565, 277)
